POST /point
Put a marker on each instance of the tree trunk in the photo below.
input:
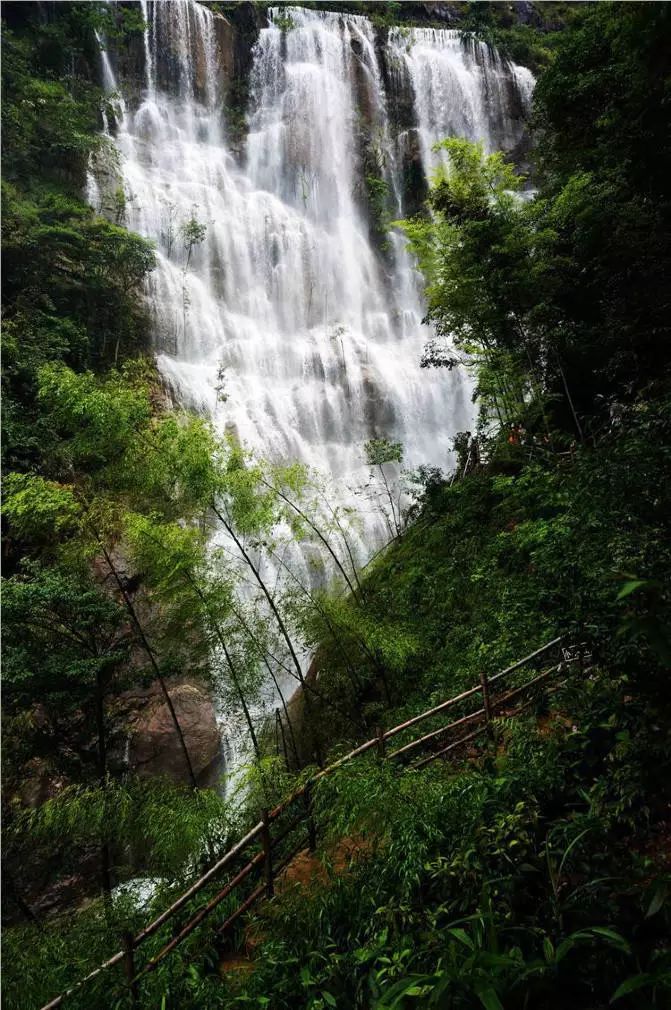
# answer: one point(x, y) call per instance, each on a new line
point(105, 860)
point(280, 623)
point(313, 526)
point(152, 659)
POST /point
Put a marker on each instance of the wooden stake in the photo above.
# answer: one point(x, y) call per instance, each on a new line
point(486, 703)
point(312, 827)
point(381, 746)
point(129, 965)
point(267, 854)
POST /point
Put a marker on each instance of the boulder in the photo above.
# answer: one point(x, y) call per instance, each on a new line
point(153, 745)
point(40, 783)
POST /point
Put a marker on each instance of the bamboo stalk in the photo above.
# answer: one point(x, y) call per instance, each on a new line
point(256, 894)
point(361, 749)
point(437, 732)
point(467, 718)
point(481, 729)
point(379, 734)
point(267, 855)
point(312, 827)
point(525, 687)
point(129, 966)
point(432, 711)
point(291, 826)
point(203, 913)
point(115, 959)
point(452, 746)
point(486, 701)
point(199, 884)
point(527, 659)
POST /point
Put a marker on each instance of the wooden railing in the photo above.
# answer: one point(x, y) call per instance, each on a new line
point(265, 861)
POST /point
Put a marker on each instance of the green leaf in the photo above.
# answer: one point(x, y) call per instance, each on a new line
point(463, 937)
point(630, 587)
point(615, 938)
point(631, 985)
point(658, 899)
point(563, 948)
point(329, 998)
point(570, 847)
point(490, 1000)
point(306, 976)
point(412, 986)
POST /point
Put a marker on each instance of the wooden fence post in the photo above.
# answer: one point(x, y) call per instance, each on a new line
point(312, 827)
point(267, 854)
point(486, 702)
point(280, 725)
point(129, 965)
point(381, 745)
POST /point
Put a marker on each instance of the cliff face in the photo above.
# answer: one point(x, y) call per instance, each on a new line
point(237, 27)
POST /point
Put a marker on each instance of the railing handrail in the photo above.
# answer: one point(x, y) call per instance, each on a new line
point(261, 828)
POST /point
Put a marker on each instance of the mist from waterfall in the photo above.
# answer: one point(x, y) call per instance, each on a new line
point(289, 307)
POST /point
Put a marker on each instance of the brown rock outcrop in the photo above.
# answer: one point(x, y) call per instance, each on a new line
point(153, 746)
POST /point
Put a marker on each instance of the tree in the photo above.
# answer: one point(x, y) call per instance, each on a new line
point(102, 420)
point(193, 234)
point(380, 452)
point(602, 115)
point(487, 256)
point(65, 641)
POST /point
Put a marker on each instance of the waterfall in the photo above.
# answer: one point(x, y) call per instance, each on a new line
point(292, 302)
point(461, 88)
point(318, 336)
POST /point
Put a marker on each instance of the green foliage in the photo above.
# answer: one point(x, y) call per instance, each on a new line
point(49, 125)
point(377, 192)
point(483, 276)
point(380, 451)
point(474, 888)
point(97, 419)
point(60, 631)
point(531, 43)
point(193, 234)
point(283, 21)
point(38, 508)
point(71, 286)
point(71, 280)
point(169, 828)
point(553, 299)
point(135, 812)
point(504, 559)
point(605, 154)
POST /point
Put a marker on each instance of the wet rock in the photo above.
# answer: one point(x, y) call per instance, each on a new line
point(40, 783)
point(526, 14)
point(153, 745)
point(74, 890)
point(448, 14)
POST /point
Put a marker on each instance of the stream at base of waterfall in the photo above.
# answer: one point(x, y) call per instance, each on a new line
point(292, 305)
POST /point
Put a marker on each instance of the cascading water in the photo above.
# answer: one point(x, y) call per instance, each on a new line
point(461, 88)
point(314, 329)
